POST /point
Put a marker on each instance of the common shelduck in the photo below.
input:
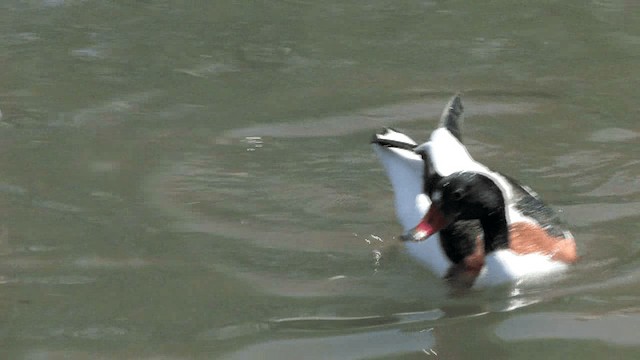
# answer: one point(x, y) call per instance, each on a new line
point(483, 228)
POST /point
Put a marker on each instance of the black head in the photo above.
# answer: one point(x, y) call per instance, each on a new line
point(467, 196)
point(473, 196)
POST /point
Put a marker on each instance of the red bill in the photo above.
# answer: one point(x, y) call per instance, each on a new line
point(430, 224)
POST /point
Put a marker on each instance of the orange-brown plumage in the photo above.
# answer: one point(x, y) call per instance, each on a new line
point(527, 238)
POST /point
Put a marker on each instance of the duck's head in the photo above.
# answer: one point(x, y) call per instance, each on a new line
point(468, 196)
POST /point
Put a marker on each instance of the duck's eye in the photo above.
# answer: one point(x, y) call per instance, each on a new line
point(457, 194)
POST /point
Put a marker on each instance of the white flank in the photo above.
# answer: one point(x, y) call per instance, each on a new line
point(504, 267)
point(404, 169)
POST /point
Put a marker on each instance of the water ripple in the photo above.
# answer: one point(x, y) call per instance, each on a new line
point(374, 118)
point(616, 328)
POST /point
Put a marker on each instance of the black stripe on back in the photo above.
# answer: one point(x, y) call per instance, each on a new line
point(529, 203)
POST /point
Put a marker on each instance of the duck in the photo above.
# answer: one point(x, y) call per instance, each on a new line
point(463, 221)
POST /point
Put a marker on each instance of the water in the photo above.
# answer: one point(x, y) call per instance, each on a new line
point(195, 182)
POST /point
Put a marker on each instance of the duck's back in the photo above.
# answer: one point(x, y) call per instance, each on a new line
point(530, 205)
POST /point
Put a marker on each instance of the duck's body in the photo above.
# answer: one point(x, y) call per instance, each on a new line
point(536, 245)
point(521, 237)
point(516, 244)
